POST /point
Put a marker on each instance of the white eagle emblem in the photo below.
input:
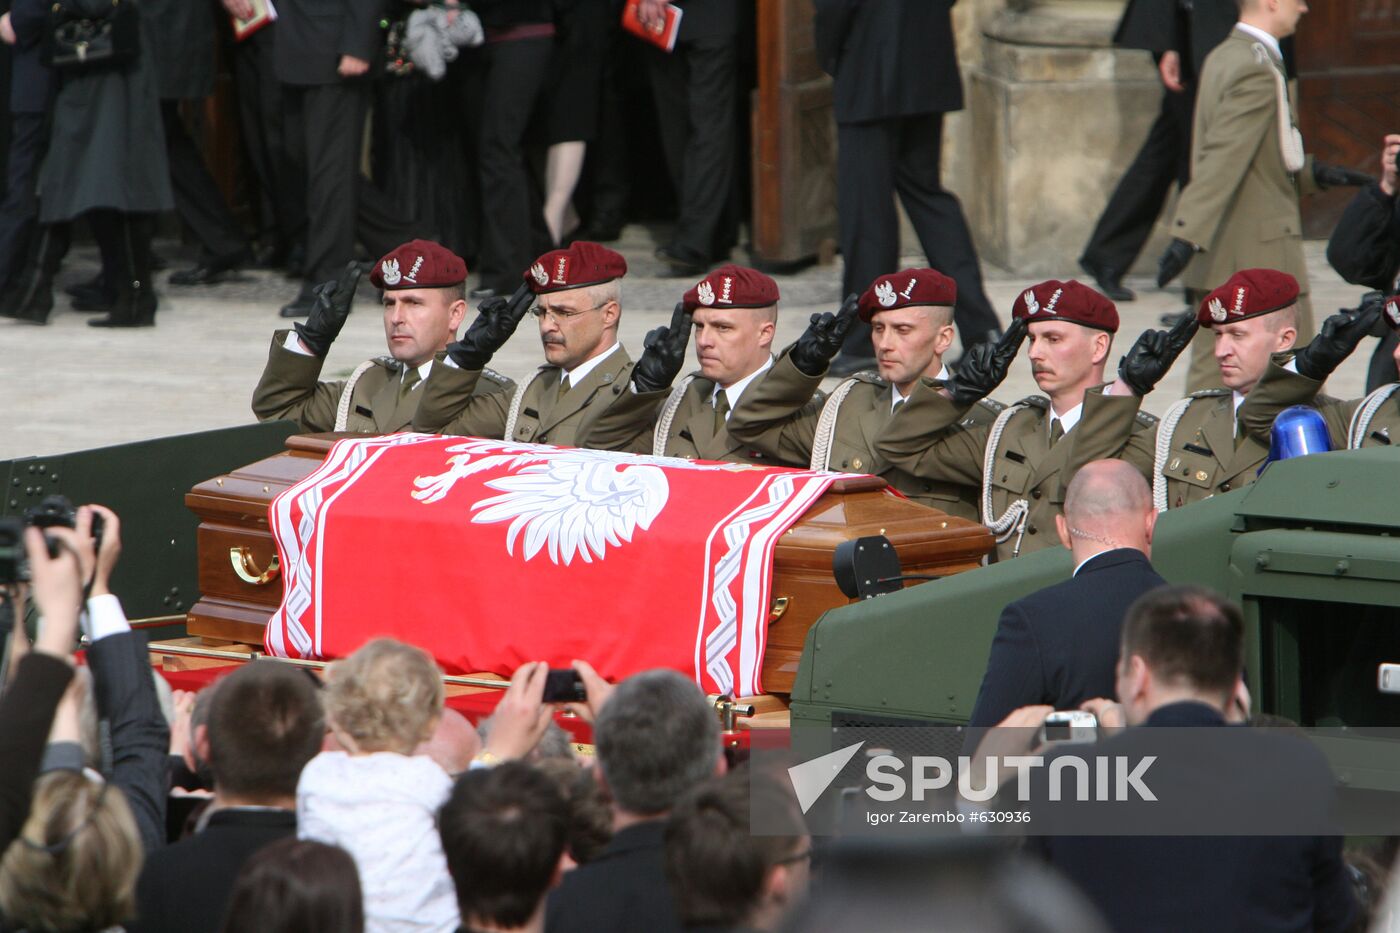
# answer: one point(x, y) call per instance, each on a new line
point(391, 271)
point(539, 275)
point(1392, 311)
point(884, 293)
point(572, 503)
point(1217, 310)
point(705, 292)
point(1032, 306)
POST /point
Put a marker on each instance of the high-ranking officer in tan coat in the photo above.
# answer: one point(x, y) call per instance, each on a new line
point(1240, 209)
point(1217, 439)
point(910, 315)
point(424, 293)
point(735, 312)
point(1023, 462)
point(587, 373)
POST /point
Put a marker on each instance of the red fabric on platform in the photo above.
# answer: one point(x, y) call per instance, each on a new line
point(489, 555)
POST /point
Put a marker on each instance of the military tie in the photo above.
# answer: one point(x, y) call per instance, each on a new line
point(1057, 431)
point(409, 380)
point(563, 387)
point(721, 410)
point(894, 410)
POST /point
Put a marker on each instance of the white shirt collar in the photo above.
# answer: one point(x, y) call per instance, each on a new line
point(422, 374)
point(1269, 41)
point(1238, 400)
point(733, 392)
point(1068, 420)
point(581, 371)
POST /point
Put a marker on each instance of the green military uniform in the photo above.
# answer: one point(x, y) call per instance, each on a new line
point(1241, 206)
point(290, 388)
point(536, 411)
point(1012, 460)
point(1198, 450)
point(690, 426)
point(1375, 420)
point(776, 416)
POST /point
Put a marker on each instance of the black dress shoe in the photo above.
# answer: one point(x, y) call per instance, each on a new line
point(680, 265)
point(598, 230)
point(1109, 280)
point(95, 302)
point(94, 291)
point(135, 308)
point(299, 308)
point(481, 293)
point(210, 271)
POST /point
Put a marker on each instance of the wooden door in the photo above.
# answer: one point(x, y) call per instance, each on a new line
point(1348, 92)
point(794, 141)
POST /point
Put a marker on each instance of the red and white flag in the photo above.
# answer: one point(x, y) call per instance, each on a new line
point(490, 554)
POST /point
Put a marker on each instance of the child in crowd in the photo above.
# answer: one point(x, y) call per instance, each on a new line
point(376, 799)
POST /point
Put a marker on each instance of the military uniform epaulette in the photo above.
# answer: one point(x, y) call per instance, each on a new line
point(992, 405)
point(498, 378)
point(1147, 420)
point(1209, 393)
point(1036, 401)
point(872, 378)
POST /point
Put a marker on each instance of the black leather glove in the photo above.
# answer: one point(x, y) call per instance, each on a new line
point(496, 319)
point(1176, 257)
point(1334, 342)
point(983, 367)
point(328, 314)
point(1144, 365)
point(822, 339)
point(663, 353)
point(1335, 176)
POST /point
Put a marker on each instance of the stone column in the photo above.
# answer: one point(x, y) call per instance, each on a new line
point(1054, 116)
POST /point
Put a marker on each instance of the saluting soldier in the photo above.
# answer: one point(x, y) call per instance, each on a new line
point(1023, 461)
point(1375, 420)
point(586, 374)
point(423, 287)
point(910, 315)
point(735, 312)
point(1215, 440)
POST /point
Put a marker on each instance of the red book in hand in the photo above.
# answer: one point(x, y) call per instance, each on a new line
point(664, 37)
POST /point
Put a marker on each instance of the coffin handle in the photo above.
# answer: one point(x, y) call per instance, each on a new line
point(780, 606)
point(242, 560)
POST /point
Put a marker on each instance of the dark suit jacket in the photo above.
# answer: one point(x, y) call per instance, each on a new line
point(27, 706)
point(707, 19)
point(1365, 246)
point(1059, 645)
point(185, 888)
point(1259, 884)
point(126, 699)
point(1191, 30)
point(313, 34)
point(623, 890)
point(31, 84)
point(894, 58)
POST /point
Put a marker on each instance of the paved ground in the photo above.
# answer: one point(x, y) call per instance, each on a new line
point(69, 386)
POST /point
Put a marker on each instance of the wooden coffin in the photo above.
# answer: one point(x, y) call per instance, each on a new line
point(241, 585)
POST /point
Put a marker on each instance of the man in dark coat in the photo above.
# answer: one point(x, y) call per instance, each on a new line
point(325, 55)
point(31, 94)
point(896, 74)
point(184, 53)
point(264, 725)
point(1365, 250)
point(1059, 646)
point(694, 87)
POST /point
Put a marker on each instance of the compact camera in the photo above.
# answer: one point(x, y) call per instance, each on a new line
point(1073, 727)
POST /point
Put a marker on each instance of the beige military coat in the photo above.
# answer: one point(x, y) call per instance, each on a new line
point(776, 416)
point(290, 388)
point(1024, 466)
point(688, 426)
point(539, 412)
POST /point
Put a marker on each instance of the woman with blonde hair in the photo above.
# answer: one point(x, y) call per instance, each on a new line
point(73, 867)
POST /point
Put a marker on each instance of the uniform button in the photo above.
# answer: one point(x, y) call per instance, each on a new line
point(845, 464)
point(544, 438)
point(1030, 530)
point(856, 464)
point(1224, 487)
point(1035, 493)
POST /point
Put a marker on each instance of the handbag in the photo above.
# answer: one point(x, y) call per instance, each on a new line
point(78, 41)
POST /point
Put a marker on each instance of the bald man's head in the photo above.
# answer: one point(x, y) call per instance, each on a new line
point(1108, 505)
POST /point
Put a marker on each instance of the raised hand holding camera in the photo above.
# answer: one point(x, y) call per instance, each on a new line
point(822, 339)
point(663, 353)
point(329, 312)
point(496, 321)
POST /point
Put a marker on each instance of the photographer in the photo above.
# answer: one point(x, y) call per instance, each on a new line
point(1182, 654)
point(1365, 250)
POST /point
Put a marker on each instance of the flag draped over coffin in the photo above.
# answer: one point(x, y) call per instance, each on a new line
point(490, 554)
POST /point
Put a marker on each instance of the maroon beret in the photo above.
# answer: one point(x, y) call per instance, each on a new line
point(1392, 312)
point(732, 287)
point(907, 289)
point(1248, 293)
point(579, 266)
point(1072, 301)
point(418, 264)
